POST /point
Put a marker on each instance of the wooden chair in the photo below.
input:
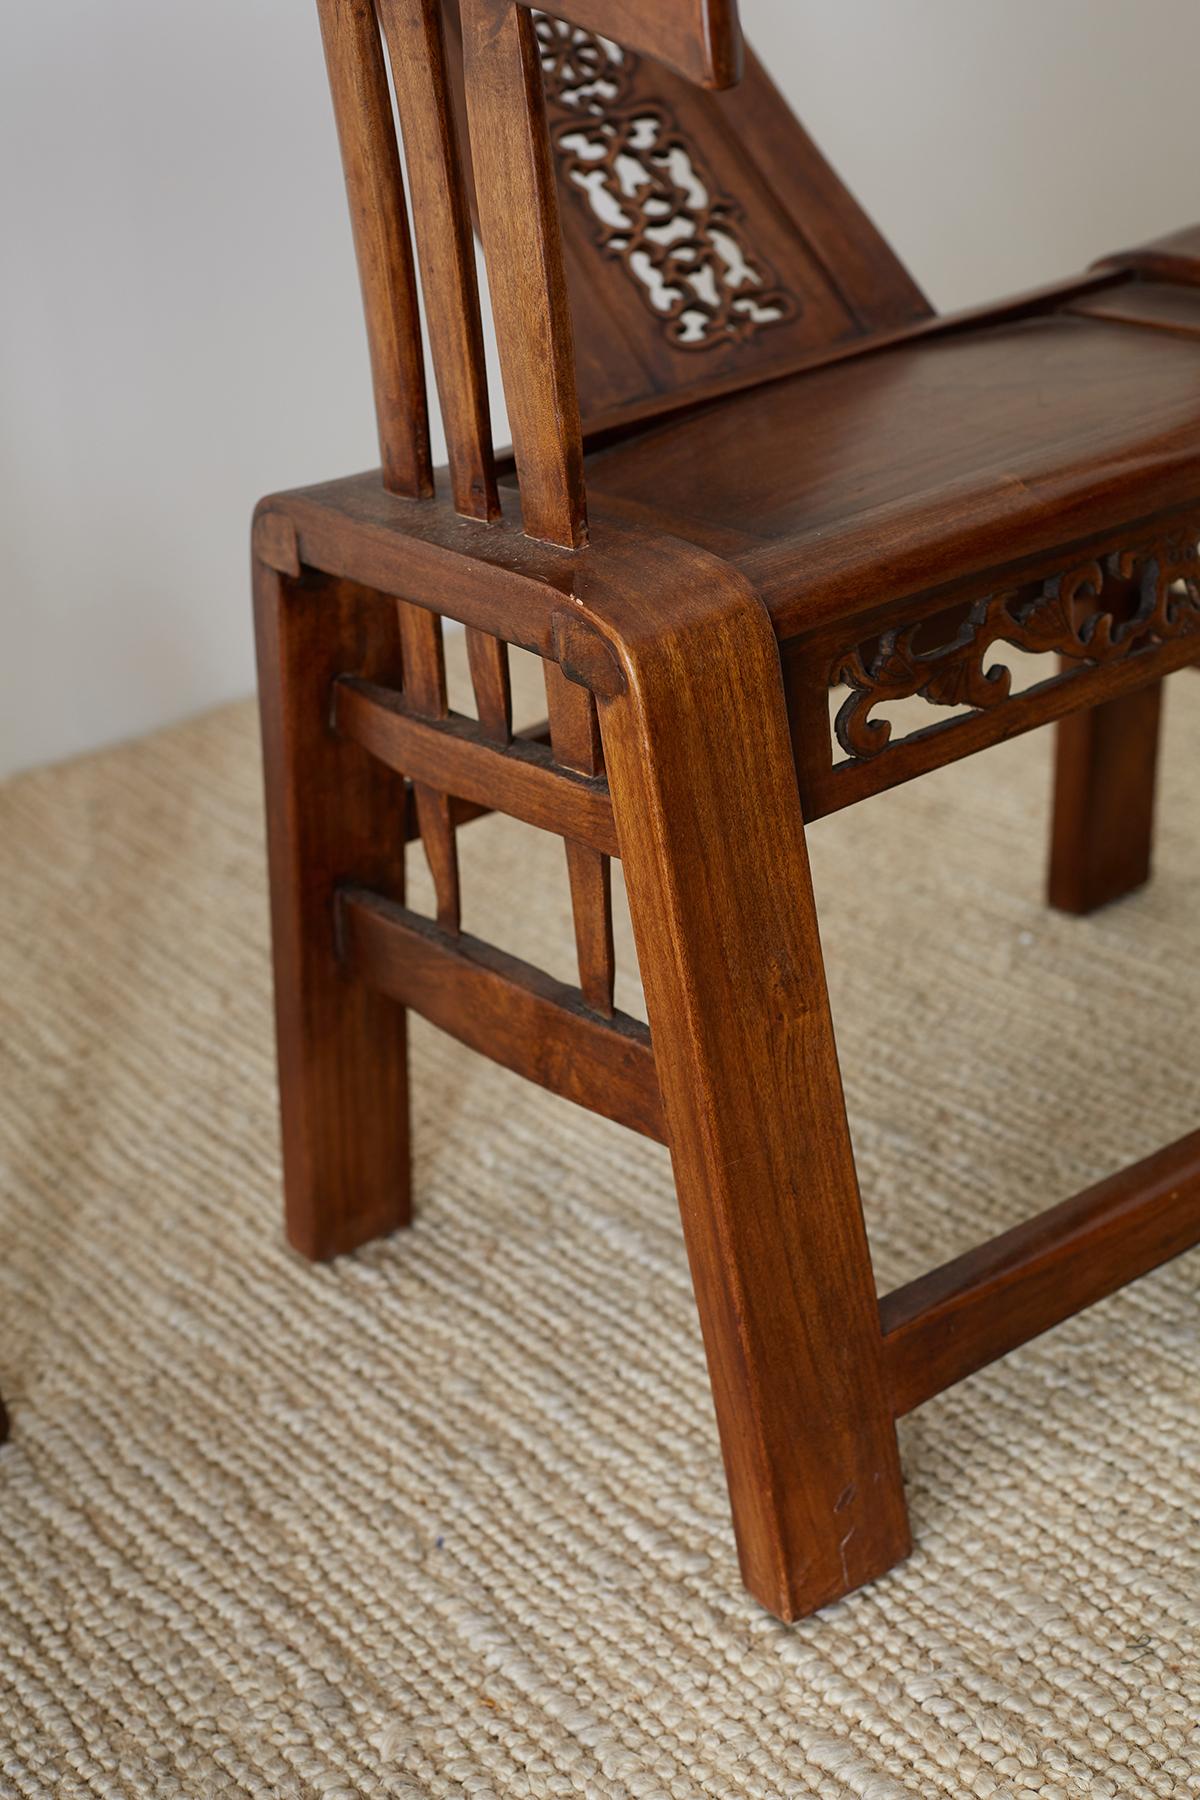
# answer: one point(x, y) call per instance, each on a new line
point(797, 480)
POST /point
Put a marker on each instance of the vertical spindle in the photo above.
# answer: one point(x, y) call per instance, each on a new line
point(375, 188)
point(445, 242)
point(518, 213)
point(575, 741)
point(487, 658)
point(425, 692)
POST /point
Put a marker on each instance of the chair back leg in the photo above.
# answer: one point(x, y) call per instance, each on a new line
point(334, 815)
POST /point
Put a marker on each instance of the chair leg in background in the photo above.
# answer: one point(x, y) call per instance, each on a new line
point(1106, 760)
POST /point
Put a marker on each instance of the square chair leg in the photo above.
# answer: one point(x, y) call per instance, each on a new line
point(1106, 761)
point(334, 815)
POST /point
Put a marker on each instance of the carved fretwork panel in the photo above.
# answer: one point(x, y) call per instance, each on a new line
point(1092, 615)
point(652, 200)
point(709, 243)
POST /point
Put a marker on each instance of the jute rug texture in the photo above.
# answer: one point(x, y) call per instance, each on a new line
point(448, 1518)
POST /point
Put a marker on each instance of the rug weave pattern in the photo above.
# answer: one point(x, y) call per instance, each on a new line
point(447, 1518)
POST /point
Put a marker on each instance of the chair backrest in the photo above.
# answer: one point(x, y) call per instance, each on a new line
point(701, 240)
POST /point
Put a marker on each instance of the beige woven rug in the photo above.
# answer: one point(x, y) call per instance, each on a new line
point(448, 1518)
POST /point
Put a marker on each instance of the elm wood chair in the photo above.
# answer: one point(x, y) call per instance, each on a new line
point(749, 466)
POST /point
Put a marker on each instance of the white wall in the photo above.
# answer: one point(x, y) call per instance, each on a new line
point(179, 326)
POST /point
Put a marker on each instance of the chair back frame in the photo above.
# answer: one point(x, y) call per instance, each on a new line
point(649, 241)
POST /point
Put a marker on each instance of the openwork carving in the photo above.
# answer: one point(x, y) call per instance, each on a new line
point(651, 198)
point(1098, 613)
point(581, 70)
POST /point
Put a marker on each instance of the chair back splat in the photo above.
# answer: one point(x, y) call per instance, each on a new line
point(648, 243)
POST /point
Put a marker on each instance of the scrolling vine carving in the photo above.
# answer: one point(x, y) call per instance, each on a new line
point(1099, 612)
point(650, 196)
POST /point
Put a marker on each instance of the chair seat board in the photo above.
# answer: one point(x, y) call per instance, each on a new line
point(943, 451)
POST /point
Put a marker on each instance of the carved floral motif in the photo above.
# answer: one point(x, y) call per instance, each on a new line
point(1098, 613)
point(651, 199)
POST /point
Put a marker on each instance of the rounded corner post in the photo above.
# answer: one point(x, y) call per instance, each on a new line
point(699, 760)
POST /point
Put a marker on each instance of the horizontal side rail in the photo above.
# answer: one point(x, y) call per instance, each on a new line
point(946, 1325)
point(454, 755)
point(462, 812)
point(504, 1008)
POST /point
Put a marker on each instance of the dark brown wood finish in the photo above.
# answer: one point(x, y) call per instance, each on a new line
point(1174, 258)
point(698, 38)
point(575, 743)
point(491, 680)
point(884, 477)
point(375, 190)
point(522, 779)
point(447, 249)
point(506, 1008)
point(334, 814)
point(1108, 618)
point(797, 481)
point(1142, 303)
point(1104, 784)
point(425, 694)
point(514, 182)
point(957, 1319)
point(754, 173)
point(727, 939)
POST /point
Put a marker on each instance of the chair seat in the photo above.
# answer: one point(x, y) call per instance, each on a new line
point(911, 466)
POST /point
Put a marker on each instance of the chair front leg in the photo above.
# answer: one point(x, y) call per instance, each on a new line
point(697, 750)
point(334, 814)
